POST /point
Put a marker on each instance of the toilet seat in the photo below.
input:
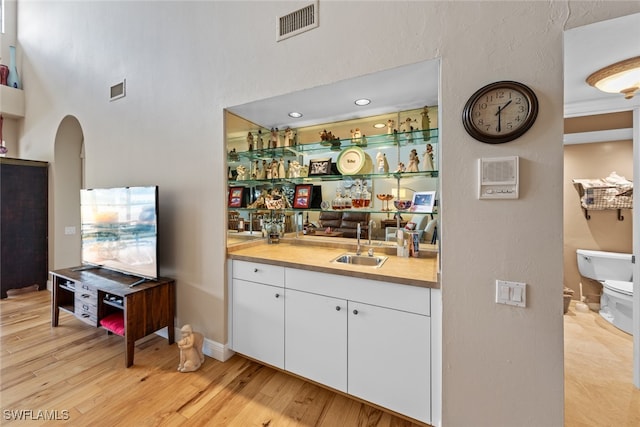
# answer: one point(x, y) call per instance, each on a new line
point(625, 288)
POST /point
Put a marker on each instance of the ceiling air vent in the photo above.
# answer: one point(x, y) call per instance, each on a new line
point(297, 22)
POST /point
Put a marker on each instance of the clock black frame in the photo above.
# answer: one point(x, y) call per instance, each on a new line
point(529, 120)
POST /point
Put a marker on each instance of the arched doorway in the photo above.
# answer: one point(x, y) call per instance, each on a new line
point(64, 192)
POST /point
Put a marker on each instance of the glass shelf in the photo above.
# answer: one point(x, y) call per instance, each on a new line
point(356, 210)
point(321, 178)
point(382, 141)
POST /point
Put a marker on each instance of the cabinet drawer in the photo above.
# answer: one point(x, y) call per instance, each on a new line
point(413, 299)
point(259, 273)
point(86, 310)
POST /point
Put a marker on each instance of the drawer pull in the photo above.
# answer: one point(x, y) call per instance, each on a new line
point(86, 296)
point(337, 308)
point(255, 270)
point(85, 315)
point(277, 295)
point(85, 307)
point(85, 287)
point(355, 312)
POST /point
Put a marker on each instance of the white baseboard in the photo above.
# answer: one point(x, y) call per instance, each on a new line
point(214, 349)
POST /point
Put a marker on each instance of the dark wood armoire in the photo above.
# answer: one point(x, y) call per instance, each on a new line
point(23, 224)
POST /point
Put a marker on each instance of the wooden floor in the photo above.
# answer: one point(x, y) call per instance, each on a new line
point(76, 372)
point(598, 372)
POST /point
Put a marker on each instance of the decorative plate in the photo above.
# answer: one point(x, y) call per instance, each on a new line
point(351, 160)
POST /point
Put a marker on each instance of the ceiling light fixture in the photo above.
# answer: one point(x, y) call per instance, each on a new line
point(295, 115)
point(622, 77)
point(362, 101)
point(379, 125)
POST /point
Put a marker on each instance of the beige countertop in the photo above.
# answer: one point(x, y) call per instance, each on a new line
point(316, 255)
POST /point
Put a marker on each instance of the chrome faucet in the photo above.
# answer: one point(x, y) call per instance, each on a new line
point(372, 225)
point(358, 230)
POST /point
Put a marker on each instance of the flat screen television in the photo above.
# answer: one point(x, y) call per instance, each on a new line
point(119, 229)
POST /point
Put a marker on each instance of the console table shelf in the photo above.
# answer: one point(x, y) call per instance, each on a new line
point(95, 294)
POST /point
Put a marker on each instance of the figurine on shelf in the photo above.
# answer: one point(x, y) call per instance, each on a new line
point(262, 173)
point(304, 171)
point(191, 357)
point(242, 173)
point(413, 161)
point(356, 136)
point(294, 169)
point(390, 126)
point(288, 137)
point(401, 167)
point(255, 172)
point(273, 142)
point(250, 141)
point(281, 172)
point(260, 141)
point(428, 158)
point(426, 124)
point(381, 161)
point(406, 126)
point(233, 155)
point(274, 169)
point(287, 174)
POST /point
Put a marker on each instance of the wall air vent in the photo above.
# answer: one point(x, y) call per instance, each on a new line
point(297, 22)
point(118, 90)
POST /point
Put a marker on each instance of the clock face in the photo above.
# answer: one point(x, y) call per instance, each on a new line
point(500, 112)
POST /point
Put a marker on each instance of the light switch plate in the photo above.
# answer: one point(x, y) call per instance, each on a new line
point(511, 293)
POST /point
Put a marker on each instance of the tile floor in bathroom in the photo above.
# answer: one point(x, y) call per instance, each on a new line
point(598, 371)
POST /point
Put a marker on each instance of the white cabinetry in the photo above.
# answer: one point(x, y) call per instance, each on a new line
point(368, 338)
point(389, 359)
point(258, 312)
point(316, 338)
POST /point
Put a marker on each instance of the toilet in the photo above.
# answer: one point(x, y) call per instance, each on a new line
point(615, 271)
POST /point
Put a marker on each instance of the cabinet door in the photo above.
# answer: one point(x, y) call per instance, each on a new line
point(389, 359)
point(258, 321)
point(316, 338)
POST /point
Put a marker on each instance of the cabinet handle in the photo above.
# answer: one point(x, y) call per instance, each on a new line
point(355, 312)
point(85, 315)
point(85, 307)
point(85, 295)
point(85, 287)
point(337, 308)
point(277, 295)
point(255, 270)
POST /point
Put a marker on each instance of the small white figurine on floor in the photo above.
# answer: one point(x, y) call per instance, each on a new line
point(190, 345)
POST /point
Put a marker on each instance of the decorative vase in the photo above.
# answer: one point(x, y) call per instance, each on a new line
point(13, 80)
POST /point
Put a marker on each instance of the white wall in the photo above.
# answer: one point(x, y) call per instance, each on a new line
point(185, 61)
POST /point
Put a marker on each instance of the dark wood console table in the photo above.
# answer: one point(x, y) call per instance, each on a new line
point(97, 295)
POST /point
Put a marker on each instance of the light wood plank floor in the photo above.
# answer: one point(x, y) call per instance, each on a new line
point(80, 369)
point(598, 373)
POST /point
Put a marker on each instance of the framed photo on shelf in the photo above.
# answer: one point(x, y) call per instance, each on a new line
point(302, 196)
point(236, 197)
point(320, 166)
point(423, 201)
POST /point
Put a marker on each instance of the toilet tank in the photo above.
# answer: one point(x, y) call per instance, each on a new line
point(600, 265)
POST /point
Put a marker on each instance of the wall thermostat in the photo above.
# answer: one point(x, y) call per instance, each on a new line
point(498, 177)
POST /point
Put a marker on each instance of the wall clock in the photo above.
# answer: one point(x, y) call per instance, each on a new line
point(500, 112)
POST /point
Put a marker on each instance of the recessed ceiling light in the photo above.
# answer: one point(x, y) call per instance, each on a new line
point(362, 101)
point(379, 125)
point(295, 114)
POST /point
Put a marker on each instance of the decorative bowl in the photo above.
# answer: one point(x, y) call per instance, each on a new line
point(402, 205)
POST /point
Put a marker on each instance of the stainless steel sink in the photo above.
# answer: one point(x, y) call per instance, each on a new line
point(369, 261)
